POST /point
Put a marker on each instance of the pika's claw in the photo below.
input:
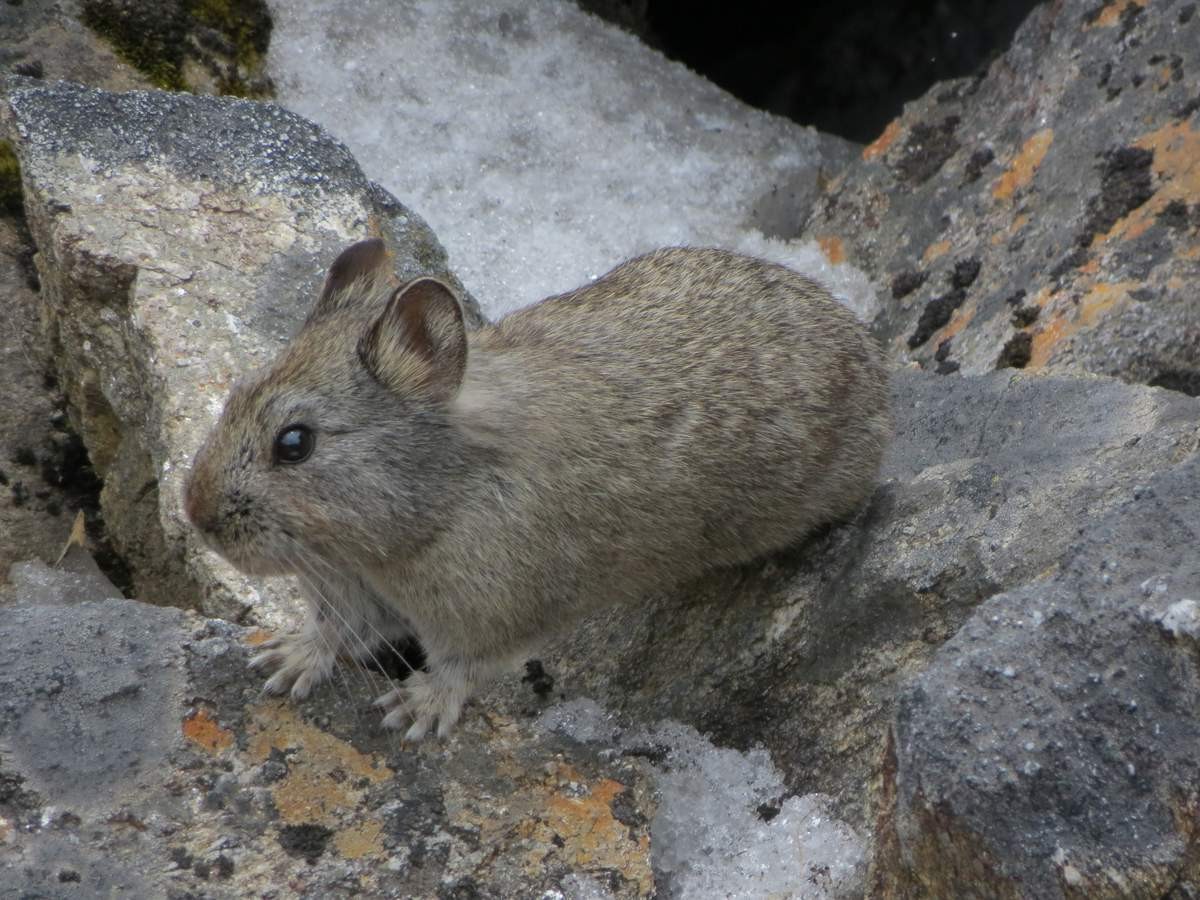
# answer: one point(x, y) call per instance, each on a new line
point(424, 699)
point(298, 662)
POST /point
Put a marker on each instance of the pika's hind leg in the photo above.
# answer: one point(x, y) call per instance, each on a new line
point(345, 618)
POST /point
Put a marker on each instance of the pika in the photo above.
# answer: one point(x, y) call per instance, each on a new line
point(483, 490)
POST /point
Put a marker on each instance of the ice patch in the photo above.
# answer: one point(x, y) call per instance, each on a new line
point(545, 146)
point(1182, 619)
point(723, 826)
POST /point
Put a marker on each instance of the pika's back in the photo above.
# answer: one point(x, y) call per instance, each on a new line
point(727, 399)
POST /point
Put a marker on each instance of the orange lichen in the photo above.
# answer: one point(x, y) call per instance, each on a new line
point(1177, 164)
point(833, 248)
point(258, 636)
point(580, 825)
point(1099, 299)
point(326, 777)
point(1025, 164)
point(933, 251)
point(961, 319)
point(202, 729)
point(361, 840)
point(1111, 14)
point(879, 146)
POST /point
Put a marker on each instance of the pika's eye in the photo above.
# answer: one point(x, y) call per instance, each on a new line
point(294, 444)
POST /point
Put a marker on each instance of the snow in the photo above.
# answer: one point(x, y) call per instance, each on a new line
point(724, 826)
point(545, 146)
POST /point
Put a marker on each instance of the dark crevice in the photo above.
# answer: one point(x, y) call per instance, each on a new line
point(846, 68)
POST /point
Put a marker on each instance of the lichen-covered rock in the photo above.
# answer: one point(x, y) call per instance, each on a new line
point(138, 756)
point(45, 39)
point(1050, 748)
point(180, 239)
point(1046, 215)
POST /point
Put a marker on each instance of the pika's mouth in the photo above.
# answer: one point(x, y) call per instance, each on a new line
point(247, 560)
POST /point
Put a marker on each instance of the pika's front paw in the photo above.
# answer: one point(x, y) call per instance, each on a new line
point(299, 664)
point(425, 699)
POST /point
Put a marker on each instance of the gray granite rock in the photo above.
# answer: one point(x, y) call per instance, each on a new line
point(180, 239)
point(1049, 750)
point(138, 756)
point(1044, 215)
point(34, 583)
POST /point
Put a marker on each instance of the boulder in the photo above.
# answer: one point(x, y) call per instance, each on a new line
point(1043, 215)
point(180, 240)
point(1049, 750)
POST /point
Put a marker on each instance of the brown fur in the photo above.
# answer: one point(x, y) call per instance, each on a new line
point(691, 409)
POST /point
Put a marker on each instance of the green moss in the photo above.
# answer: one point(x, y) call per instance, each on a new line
point(246, 25)
point(154, 45)
point(229, 38)
point(11, 203)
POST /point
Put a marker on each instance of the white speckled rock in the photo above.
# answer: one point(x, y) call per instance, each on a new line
point(180, 240)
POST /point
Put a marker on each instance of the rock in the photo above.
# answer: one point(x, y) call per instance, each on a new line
point(34, 583)
point(180, 45)
point(987, 489)
point(32, 517)
point(999, 493)
point(139, 756)
point(180, 240)
point(1065, 180)
point(1049, 750)
point(545, 146)
point(45, 39)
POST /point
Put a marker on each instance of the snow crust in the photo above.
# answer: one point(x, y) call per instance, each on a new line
point(725, 826)
point(545, 146)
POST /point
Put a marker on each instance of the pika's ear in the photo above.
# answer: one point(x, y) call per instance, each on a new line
point(357, 267)
point(418, 344)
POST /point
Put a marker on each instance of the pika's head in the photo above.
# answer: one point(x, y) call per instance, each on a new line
point(339, 453)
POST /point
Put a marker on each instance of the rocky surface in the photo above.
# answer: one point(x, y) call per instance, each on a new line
point(1049, 749)
point(47, 39)
point(180, 239)
point(1045, 215)
point(34, 515)
point(137, 757)
point(196, 45)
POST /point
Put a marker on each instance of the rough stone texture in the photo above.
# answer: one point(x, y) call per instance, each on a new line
point(207, 46)
point(180, 239)
point(1050, 749)
point(35, 583)
point(137, 756)
point(33, 515)
point(1046, 215)
point(45, 39)
point(987, 487)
